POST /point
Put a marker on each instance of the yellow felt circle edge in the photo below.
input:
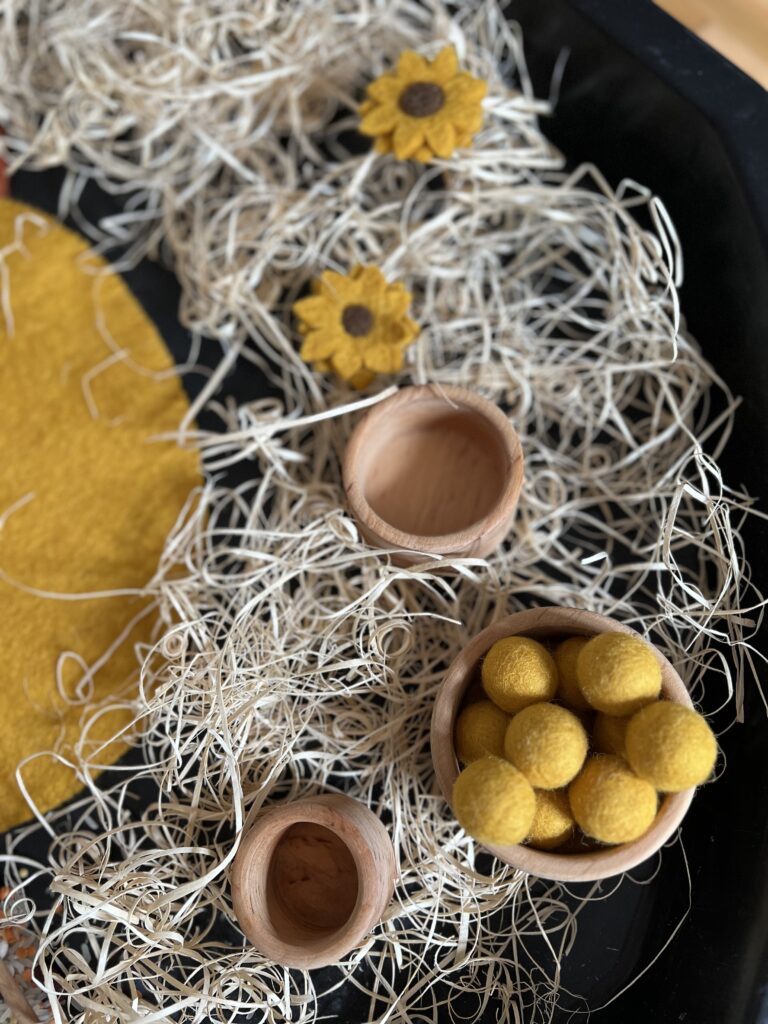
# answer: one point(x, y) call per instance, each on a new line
point(87, 493)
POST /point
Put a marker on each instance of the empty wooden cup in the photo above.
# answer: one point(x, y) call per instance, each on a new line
point(311, 879)
point(434, 470)
point(542, 624)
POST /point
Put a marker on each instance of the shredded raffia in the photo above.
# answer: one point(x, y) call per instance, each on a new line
point(292, 658)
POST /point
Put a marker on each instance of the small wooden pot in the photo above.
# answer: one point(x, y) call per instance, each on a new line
point(311, 879)
point(434, 470)
point(541, 623)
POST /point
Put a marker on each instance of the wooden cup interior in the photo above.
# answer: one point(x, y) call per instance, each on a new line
point(433, 467)
point(311, 879)
point(312, 884)
point(541, 624)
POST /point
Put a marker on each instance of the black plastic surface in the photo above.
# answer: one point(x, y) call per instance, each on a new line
point(642, 97)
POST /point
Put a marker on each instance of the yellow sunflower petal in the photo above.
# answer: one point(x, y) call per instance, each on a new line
point(365, 106)
point(411, 65)
point(372, 281)
point(444, 65)
point(347, 359)
point(380, 120)
point(338, 287)
point(314, 310)
point(383, 358)
point(423, 155)
point(361, 379)
point(410, 331)
point(385, 89)
point(322, 366)
point(320, 345)
point(333, 277)
point(466, 89)
point(382, 144)
point(396, 301)
point(465, 117)
point(408, 137)
point(403, 331)
point(397, 286)
point(440, 136)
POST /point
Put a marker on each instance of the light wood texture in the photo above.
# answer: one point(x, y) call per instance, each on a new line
point(311, 879)
point(541, 623)
point(434, 470)
point(14, 998)
point(737, 28)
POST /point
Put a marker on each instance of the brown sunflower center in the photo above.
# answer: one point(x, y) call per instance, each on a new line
point(422, 99)
point(357, 320)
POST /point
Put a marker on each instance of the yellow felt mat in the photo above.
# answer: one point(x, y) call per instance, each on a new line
point(94, 497)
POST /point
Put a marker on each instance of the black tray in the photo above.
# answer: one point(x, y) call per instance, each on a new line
point(642, 97)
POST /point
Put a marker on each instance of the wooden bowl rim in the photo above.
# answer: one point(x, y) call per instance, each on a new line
point(324, 809)
point(446, 542)
point(574, 867)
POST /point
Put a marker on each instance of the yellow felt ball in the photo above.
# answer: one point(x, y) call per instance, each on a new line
point(618, 673)
point(610, 803)
point(671, 746)
point(553, 822)
point(494, 802)
point(547, 743)
point(480, 730)
point(608, 734)
point(565, 657)
point(518, 671)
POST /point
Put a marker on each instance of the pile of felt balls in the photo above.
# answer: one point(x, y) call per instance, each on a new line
point(573, 744)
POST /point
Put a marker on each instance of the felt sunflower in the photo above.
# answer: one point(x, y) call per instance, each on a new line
point(423, 109)
point(355, 324)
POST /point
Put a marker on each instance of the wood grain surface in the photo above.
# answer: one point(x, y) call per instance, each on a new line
point(434, 470)
point(311, 879)
point(736, 28)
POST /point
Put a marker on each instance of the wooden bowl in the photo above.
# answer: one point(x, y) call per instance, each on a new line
point(542, 623)
point(433, 470)
point(311, 879)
